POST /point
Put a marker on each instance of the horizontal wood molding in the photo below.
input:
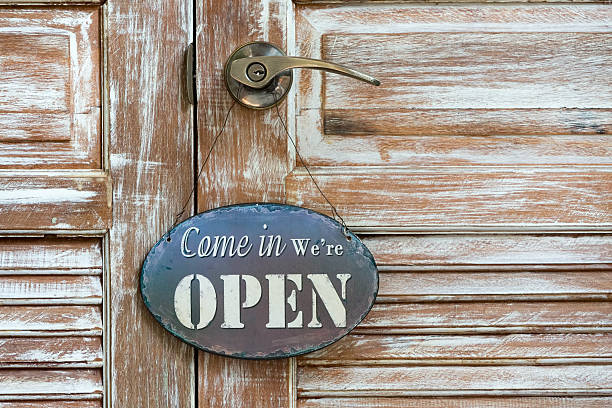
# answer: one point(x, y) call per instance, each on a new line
point(51, 352)
point(52, 404)
point(512, 349)
point(461, 402)
point(70, 3)
point(489, 252)
point(20, 382)
point(458, 196)
point(56, 202)
point(488, 317)
point(316, 381)
point(361, 2)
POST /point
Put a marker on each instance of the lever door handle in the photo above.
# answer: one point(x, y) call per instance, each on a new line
point(257, 72)
point(259, 75)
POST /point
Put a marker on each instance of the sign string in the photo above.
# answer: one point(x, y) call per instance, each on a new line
point(297, 152)
point(335, 213)
point(180, 214)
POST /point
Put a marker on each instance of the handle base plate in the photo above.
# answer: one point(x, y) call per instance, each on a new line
point(264, 98)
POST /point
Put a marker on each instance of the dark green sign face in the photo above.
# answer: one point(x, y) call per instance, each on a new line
point(259, 281)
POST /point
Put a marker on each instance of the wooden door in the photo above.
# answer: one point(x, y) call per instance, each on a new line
point(477, 173)
point(96, 139)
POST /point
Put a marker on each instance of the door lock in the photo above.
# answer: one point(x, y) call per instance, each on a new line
point(259, 75)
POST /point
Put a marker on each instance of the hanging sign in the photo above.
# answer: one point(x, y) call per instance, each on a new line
point(259, 281)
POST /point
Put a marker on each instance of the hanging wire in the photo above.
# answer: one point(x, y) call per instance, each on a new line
point(335, 213)
point(195, 184)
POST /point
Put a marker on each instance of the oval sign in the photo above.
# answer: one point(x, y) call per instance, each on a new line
point(259, 281)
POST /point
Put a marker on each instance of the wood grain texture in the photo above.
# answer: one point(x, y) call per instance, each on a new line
point(437, 381)
point(50, 318)
point(51, 352)
point(71, 3)
point(492, 252)
point(50, 105)
point(464, 85)
point(404, 287)
point(55, 202)
point(17, 382)
point(150, 129)
point(482, 402)
point(26, 289)
point(467, 197)
point(357, 2)
point(512, 349)
point(52, 404)
point(488, 317)
point(249, 164)
point(36, 273)
point(62, 256)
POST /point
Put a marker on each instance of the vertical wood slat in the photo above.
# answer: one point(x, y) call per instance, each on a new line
point(249, 164)
point(151, 165)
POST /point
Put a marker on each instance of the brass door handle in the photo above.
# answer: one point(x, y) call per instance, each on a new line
point(259, 75)
point(257, 72)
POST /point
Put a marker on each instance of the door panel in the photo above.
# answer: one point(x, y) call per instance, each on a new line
point(469, 174)
point(477, 174)
point(52, 181)
point(249, 164)
point(151, 164)
point(51, 318)
point(460, 85)
point(50, 110)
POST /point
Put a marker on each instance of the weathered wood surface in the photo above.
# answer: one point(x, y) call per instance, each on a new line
point(52, 404)
point(315, 381)
point(62, 256)
point(249, 164)
point(457, 82)
point(358, 2)
point(512, 349)
point(488, 317)
point(475, 402)
point(71, 3)
point(509, 286)
point(50, 318)
point(18, 382)
point(55, 202)
point(51, 351)
point(150, 129)
point(47, 289)
point(50, 100)
point(492, 252)
point(36, 273)
point(404, 197)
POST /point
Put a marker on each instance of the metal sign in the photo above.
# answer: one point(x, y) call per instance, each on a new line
point(259, 281)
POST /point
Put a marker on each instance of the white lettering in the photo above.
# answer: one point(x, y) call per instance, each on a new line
point(231, 298)
point(184, 250)
point(332, 302)
point(300, 245)
point(244, 244)
point(276, 293)
point(271, 242)
point(198, 289)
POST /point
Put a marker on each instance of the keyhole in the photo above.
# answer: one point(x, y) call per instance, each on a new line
point(256, 72)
